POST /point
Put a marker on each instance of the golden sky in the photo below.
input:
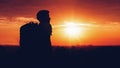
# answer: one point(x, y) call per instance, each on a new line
point(98, 20)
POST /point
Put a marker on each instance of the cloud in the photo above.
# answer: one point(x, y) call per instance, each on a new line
point(16, 20)
point(3, 18)
point(91, 25)
point(94, 9)
point(25, 19)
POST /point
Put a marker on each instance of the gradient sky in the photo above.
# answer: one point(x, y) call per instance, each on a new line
point(102, 16)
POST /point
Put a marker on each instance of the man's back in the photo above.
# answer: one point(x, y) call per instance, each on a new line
point(36, 38)
point(28, 35)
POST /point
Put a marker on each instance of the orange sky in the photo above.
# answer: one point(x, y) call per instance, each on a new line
point(100, 19)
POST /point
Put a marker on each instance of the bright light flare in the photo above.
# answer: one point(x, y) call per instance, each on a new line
point(72, 29)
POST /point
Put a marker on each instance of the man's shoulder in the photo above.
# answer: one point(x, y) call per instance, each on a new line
point(44, 25)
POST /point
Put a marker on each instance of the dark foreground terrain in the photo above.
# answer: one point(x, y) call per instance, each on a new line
point(63, 57)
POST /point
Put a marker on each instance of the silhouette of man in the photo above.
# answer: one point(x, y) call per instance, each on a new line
point(35, 38)
point(37, 35)
point(45, 31)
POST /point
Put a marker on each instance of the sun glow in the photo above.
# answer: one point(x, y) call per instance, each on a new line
point(72, 29)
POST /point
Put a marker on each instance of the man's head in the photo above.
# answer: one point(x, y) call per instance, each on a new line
point(43, 16)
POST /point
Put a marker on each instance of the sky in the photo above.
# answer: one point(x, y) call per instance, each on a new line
point(98, 20)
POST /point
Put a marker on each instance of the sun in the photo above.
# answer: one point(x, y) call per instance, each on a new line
point(72, 29)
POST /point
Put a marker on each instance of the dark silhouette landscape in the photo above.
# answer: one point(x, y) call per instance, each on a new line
point(66, 57)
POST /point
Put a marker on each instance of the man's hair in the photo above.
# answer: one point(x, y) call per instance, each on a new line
point(42, 14)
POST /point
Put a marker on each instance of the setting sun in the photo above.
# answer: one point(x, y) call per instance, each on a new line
point(72, 29)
